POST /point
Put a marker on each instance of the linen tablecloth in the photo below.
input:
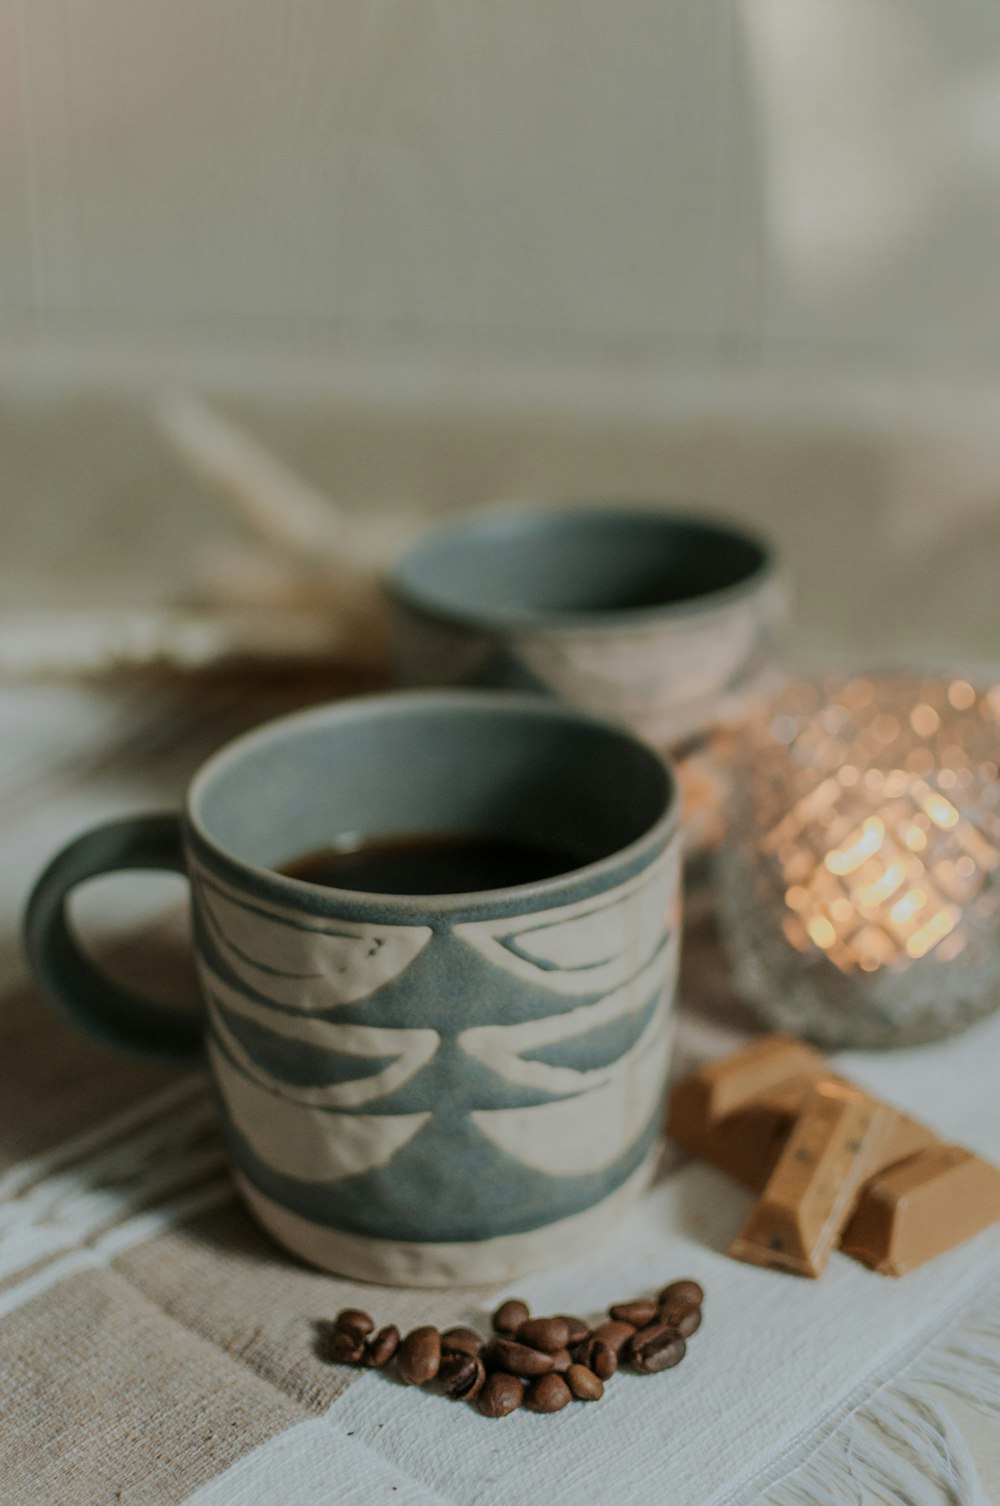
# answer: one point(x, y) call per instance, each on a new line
point(156, 1348)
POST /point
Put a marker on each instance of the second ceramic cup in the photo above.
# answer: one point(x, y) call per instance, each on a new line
point(657, 620)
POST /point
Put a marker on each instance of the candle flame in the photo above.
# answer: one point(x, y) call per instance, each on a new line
point(860, 846)
point(888, 843)
point(904, 909)
point(874, 894)
point(821, 931)
point(941, 811)
point(936, 929)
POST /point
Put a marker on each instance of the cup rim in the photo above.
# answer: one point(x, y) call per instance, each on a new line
point(390, 703)
point(526, 517)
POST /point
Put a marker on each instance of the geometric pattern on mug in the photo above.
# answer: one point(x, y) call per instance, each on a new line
point(665, 679)
point(614, 941)
point(311, 964)
point(411, 1049)
point(503, 1048)
point(559, 1139)
point(595, 944)
point(312, 1145)
point(267, 972)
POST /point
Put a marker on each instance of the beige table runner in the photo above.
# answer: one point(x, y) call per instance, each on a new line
point(155, 1348)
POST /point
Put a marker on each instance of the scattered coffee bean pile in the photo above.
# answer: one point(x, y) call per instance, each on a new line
point(543, 1363)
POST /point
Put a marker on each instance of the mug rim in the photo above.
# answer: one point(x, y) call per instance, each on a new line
point(388, 703)
point(526, 517)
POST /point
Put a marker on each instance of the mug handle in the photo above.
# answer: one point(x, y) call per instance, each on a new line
point(69, 978)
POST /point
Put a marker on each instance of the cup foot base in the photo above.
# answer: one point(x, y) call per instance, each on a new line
point(476, 1262)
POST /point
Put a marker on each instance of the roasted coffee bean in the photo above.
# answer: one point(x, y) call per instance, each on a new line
point(684, 1316)
point(681, 1291)
point(549, 1334)
point(345, 1346)
point(500, 1395)
point(461, 1375)
point(561, 1361)
point(460, 1341)
point(355, 1334)
point(597, 1356)
point(380, 1349)
point(656, 1348)
point(353, 1317)
point(578, 1329)
point(419, 1356)
point(510, 1315)
point(519, 1359)
point(615, 1334)
point(549, 1393)
point(603, 1360)
point(639, 1313)
point(584, 1384)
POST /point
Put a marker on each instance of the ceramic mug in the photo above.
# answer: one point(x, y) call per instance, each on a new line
point(663, 622)
point(660, 621)
point(413, 1089)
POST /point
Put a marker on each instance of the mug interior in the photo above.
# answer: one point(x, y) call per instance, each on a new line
point(518, 768)
point(525, 564)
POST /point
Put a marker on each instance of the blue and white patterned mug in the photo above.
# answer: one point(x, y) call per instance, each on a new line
point(414, 1089)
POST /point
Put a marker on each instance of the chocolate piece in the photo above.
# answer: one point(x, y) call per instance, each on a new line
point(747, 1142)
point(720, 1087)
point(832, 1150)
point(916, 1210)
point(735, 1113)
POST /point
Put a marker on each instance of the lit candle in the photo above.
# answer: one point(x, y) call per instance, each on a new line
point(867, 833)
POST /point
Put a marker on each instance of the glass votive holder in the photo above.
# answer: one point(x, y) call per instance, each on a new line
point(858, 886)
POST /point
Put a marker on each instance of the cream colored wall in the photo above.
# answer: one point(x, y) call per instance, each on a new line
point(743, 252)
point(721, 181)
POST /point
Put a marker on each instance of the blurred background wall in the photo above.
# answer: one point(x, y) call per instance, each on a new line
point(704, 179)
point(443, 250)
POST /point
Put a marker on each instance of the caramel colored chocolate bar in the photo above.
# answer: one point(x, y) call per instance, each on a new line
point(838, 1140)
point(921, 1207)
point(733, 1112)
point(746, 1144)
point(719, 1087)
point(762, 1090)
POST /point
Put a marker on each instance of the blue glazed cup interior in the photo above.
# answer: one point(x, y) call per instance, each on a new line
point(448, 761)
point(557, 566)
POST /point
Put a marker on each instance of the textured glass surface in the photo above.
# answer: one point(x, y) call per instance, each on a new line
point(858, 883)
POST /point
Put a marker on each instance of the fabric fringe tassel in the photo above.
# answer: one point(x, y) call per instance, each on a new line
point(902, 1445)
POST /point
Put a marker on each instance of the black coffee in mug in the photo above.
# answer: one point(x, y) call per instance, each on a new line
point(430, 863)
